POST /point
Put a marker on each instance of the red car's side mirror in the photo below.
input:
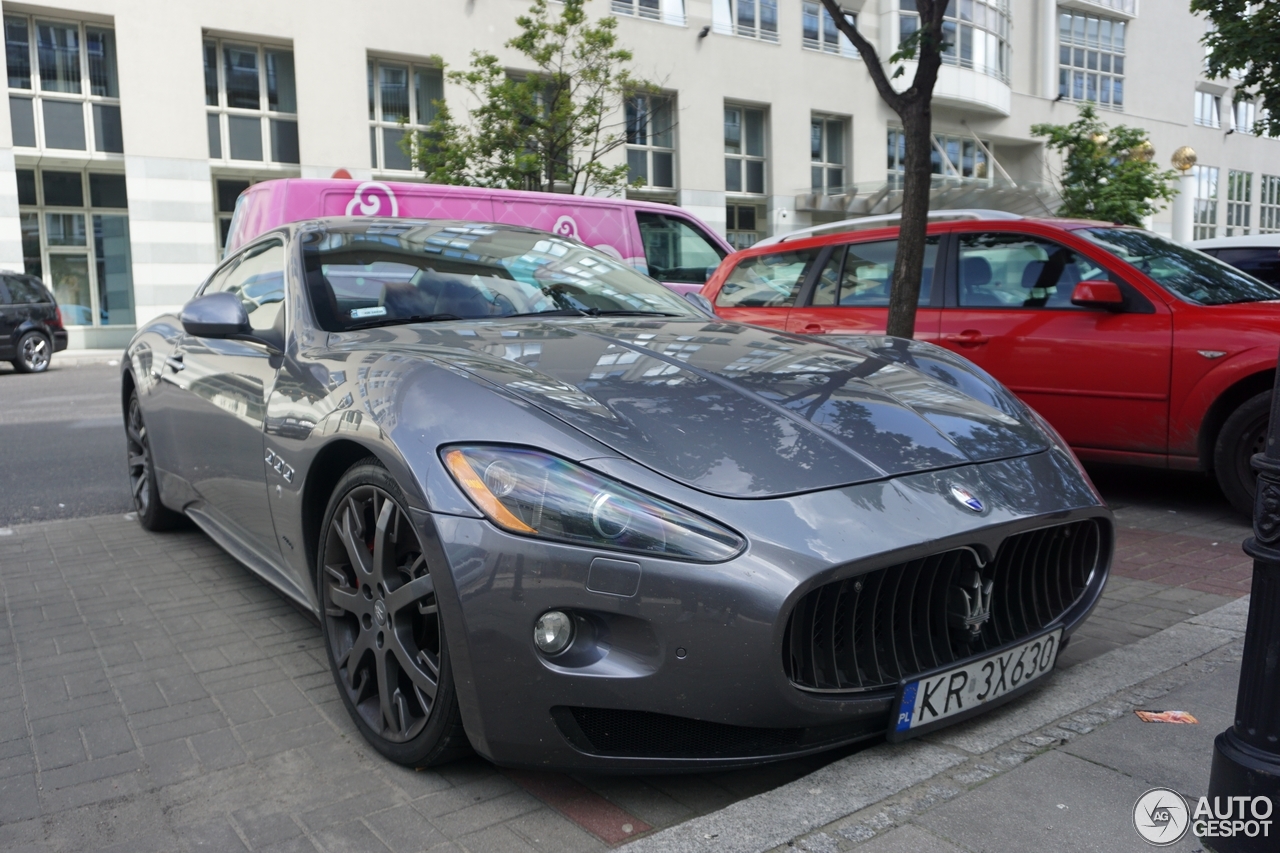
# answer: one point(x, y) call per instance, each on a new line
point(1098, 294)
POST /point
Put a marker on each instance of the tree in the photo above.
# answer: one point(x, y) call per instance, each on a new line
point(1107, 172)
point(547, 130)
point(914, 107)
point(1244, 42)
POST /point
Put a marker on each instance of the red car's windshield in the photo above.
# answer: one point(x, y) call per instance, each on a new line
point(1187, 273)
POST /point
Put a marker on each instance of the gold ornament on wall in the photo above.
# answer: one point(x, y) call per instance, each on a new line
point(1184, 158)
point(1143, 151)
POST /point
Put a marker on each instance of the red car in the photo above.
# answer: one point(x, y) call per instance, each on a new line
point(1137, 349)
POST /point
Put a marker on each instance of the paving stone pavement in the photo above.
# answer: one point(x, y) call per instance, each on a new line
point(154, 695)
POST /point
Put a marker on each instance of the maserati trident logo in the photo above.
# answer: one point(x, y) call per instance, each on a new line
point(969, 604)
point(967, 498)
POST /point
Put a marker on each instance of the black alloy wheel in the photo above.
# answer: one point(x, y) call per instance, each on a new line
point(34, 353)
point(381, 623)
point(152, 514)
point(1243, 434)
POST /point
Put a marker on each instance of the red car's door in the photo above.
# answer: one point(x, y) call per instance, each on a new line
point(851, 294)
point(1100, 377)
point(761, 289)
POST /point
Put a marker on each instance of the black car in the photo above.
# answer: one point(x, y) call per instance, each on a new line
point(30, 324)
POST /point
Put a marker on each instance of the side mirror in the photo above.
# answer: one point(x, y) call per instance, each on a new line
point(1098, 294)
point(701, 302)
point(215, 315)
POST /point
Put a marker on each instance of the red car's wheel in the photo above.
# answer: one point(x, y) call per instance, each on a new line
point(1243, 434)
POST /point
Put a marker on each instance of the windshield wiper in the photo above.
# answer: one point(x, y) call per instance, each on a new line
point(631, 312)
point(400, 321)
point(554, 312)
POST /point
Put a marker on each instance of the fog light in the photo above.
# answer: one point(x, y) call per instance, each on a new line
point(553, 632)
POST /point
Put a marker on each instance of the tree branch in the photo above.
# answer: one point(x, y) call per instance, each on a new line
point(869, 56)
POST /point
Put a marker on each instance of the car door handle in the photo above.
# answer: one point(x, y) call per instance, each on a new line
point(813, 329)
point(967, 338)
point(174, 362)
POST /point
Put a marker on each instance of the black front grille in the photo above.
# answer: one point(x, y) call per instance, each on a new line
point(869, 631)
point(643, 734)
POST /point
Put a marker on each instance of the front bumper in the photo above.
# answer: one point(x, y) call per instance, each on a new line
point(687, 672)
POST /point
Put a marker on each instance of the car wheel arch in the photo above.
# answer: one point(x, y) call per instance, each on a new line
point(1222, 407)
point(331, 462)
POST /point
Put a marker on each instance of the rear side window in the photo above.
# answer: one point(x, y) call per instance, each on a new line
point(24, 290)
point(1263, 263)
point(677, 250)
point(767, 281)
point(859, 275)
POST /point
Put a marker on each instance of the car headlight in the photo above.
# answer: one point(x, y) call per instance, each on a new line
point(534, 494)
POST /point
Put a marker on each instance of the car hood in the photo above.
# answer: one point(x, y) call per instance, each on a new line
point(737, 410)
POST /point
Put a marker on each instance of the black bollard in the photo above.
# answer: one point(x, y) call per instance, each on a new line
point(1246, 757)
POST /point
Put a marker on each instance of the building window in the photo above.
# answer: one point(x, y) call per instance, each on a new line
point(1091, 59)
point(667, 11)
point(827, 154)
point(1207, 109)
point(402, 99)
point(744, 156)
point(69, 97)
point(821, 33)
point(976, 32)
point(75, 237)
point(225, 193)
point(1246, 116)
point(1206, 202)
point(744, 224)
point(1269, 205)
point(951, 157)
point(1239, 200)
point(753, 19)
point(252, 101)
point(651, 141)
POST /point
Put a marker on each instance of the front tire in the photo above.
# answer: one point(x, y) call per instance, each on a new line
point(381, 623)
point(1243, 434)
point(152, 514)
point(34, 353)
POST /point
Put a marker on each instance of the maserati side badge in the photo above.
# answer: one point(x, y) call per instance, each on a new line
point(967, 498)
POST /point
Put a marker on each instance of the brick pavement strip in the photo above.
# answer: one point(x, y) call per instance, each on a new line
point(156, 695)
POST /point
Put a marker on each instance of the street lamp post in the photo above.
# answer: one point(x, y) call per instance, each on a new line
point(1246, 757)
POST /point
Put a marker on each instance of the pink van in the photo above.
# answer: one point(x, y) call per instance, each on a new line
point(659, 240)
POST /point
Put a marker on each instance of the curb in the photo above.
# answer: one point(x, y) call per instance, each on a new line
point(765, 821)
point(82, 357)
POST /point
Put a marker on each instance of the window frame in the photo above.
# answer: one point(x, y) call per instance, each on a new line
point(756, 30)
point(825, 163)
point(953, 29)
point(1269, 204)
point(264, 114)
point(813, 9)
point(91, 104)
point(1208, 110)
point(378, 123)
point(1204, 212)
point(649, 148)
point(742, 157)
point(1081, 47)
point(1239, 202)
point(88, 210)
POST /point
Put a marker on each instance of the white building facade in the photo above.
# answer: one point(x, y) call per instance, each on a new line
point(134, 124)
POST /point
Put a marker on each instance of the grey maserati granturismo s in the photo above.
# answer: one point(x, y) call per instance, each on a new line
point(544, 508)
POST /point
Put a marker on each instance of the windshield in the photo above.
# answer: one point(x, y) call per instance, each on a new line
point(383, 273)
point(1184, 272)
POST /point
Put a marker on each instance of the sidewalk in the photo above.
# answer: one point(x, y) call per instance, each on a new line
point(78, 357)
point(1060, 771)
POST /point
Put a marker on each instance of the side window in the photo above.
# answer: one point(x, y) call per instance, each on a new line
point(766, 281)
point(1003, 270)
point(4, 293)
point(861, 274)
point(677, 250)
point(1259, 263)
point(257, 277)
point(26, 291)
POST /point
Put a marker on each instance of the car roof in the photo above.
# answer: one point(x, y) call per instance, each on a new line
point(937, 226)
point(1261, 241)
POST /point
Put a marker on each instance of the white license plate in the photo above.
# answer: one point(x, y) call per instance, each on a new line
point(946, 694)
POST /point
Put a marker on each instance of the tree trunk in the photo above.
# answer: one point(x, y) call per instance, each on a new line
point(904, 294)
